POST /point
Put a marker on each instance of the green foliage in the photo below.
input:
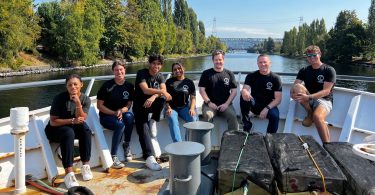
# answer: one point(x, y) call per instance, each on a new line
point(18, 30)
point(181, 14)
point(295, 41)
point(214, 43)
point(124, 34)
point(184, 44)
point(152, 19)
point(78, 32)
point(346, 38)
point(72, 31)
point(268, 46)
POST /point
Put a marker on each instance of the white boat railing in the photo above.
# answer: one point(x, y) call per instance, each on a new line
point(6, 87)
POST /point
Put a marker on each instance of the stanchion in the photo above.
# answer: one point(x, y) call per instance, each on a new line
point(19, 120)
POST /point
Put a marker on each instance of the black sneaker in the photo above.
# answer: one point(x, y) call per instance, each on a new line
point(247, 125)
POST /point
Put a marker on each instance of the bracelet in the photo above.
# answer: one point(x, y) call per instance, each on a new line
point(268, 107)
point(208, 102)
point(73, 121)
point(310, 97)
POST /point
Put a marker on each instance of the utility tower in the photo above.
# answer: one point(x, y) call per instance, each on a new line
point(214, 28)
point(300, 20)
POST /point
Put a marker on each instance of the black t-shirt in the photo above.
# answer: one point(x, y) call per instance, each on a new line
point(314, 78)
point(65, 108)
point(151, 81)
point(180, 91)
point(115, 96)
point(217, 84)
point(263, 87)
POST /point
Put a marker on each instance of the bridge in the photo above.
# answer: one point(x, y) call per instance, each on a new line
point(243, 43)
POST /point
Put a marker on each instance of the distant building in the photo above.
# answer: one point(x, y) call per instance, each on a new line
point(243, 43)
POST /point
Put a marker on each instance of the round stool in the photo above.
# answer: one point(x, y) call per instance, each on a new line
point(200, 132)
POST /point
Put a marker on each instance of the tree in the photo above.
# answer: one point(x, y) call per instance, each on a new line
point(74, 30)
point(19, 30)
point(184, 43)
point(270, 45)
point(152, 19)
point(181, 14)
point(124, 34)
point(170, 34)
point(346, 38)
point(370, 48)
point(194, 27)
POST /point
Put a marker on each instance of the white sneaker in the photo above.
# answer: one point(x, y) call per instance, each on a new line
point(117, 164)
point(70, 180)
point(86, 172)
point(153, 129)
point(152, 164)
point(156, 147)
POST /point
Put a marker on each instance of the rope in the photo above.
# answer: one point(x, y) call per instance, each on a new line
point(238, 162)
point(50, 191)
point(315, 164)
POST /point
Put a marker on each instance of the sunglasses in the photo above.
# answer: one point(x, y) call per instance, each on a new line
point(312, 55)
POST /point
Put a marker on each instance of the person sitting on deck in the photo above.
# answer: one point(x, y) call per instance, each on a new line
point(218, 88)
point(316, 95)
point(67, 122)
point(115, 98)
point(183, 103)
point(261, 94)
point(150, 97)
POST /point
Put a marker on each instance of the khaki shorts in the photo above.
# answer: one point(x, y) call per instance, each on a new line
point(321, 102)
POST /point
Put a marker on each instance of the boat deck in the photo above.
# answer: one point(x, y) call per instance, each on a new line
point(135, 178)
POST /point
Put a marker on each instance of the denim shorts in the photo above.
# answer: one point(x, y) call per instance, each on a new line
point(321, 102)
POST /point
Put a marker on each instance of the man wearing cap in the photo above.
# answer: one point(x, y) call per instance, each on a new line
point(316, 93)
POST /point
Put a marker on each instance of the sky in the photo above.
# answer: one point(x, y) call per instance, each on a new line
point(268, 18)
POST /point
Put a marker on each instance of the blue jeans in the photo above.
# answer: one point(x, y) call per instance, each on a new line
point(174, 126)
point(119, 127)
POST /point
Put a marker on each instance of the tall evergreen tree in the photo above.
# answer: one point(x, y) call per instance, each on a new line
point(181, 14)
point(170, 34)
point(194, 26)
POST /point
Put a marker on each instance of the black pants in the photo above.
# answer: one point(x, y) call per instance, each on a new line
point(256, 108)
point(141, 123)
point(65, 135)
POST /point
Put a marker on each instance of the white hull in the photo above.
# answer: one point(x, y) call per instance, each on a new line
point(349, 121)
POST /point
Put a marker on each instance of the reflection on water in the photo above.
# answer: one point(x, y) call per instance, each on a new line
point(42, 96)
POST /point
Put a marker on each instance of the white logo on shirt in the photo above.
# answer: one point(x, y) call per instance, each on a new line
point(156, 85)
point(269, 85)
point(185, 88)
point(126, 95)
point(226, 81)
point(320, 78)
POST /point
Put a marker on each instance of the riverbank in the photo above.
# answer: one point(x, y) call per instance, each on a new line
point(46, 68)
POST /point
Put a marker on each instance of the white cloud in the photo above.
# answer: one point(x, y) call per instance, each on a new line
point(245, 32)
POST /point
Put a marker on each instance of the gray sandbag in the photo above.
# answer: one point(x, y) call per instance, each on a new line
point(295, 171)
point(359, 171)
point(254, 163)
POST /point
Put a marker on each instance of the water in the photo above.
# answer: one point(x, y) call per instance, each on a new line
point(40, 97)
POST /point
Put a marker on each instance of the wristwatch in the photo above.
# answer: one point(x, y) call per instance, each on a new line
point(208, 101)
